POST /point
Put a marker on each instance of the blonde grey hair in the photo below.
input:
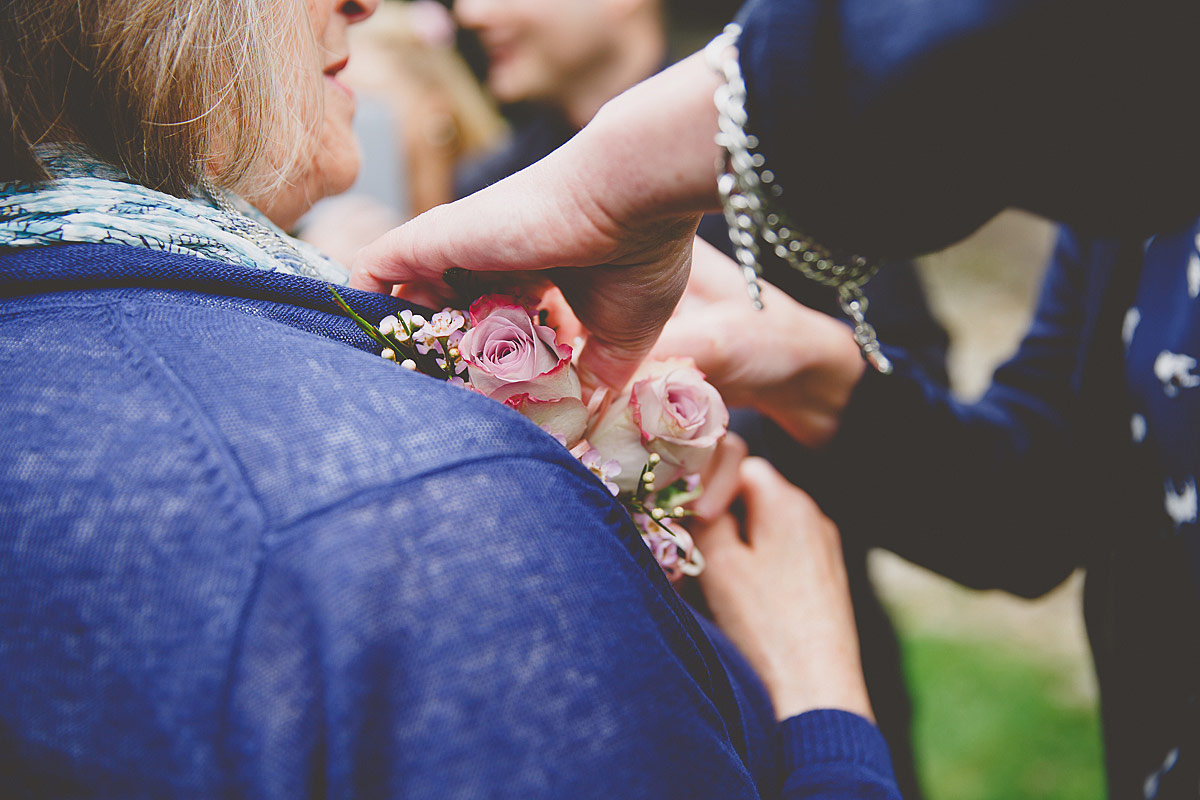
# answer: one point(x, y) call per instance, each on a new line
point(171, 91)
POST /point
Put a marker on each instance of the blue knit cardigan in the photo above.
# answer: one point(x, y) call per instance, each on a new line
point(240, 556)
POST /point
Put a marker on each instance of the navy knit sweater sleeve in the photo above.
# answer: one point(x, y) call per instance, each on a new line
point(897, 127)
point(1003, 491)
point(835, 755)
point(241, 558)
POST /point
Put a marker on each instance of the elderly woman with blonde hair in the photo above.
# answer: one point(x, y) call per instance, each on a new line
point(240, 557)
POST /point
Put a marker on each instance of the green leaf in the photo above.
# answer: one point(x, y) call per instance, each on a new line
point(367, 327)
point(677, 494)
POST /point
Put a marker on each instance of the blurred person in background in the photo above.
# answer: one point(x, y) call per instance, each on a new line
point(420, 113)
point(553, 64)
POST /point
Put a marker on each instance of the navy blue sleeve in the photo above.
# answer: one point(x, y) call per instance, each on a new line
point(994, 493)
point(835, 755)
point(898, 127)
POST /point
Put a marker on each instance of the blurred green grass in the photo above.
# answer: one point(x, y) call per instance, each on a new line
point(992, 724)
point(1002, 690)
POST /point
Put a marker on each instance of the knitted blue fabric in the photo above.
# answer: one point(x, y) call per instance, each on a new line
point(241, 558)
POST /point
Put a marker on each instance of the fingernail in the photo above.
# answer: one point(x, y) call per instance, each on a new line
point(456, 278)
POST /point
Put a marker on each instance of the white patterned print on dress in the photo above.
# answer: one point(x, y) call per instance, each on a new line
point(1174, 371)
point(1180, 503)
point(1150, 787)
point(1193, 272)
point(1129, 326)
point(1137, 428)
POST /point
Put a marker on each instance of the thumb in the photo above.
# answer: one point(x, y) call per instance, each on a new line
point(422, 249)
point(765, 492)
point(391, 259)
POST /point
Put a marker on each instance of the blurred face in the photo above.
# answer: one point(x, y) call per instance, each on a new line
point(539, 49)
point(335, 162)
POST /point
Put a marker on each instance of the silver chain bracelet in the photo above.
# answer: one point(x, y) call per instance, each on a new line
point(748, 191)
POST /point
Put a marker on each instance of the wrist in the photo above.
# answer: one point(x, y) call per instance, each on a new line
point(837, 684)
point(663, 170)
point(828, 365)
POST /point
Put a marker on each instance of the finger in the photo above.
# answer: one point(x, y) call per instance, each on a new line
point(605, 364)
point(390, 260)
point(481, 233)
point(432, 297)
point(765, 492)
point(624, 310)
point(716, 538)
point(559, 316)
point(721, 479)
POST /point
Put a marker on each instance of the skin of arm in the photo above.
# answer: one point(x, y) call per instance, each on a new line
point(622, 197)
point(795, 365)
point(886, 83)
point(777, 586)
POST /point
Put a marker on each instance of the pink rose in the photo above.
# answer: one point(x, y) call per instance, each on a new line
point(512, 359)
point(669, 410)
point(564, 418)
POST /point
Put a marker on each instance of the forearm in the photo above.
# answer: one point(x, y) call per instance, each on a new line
point(986, 493)
point(654, 145)
point(826, 368)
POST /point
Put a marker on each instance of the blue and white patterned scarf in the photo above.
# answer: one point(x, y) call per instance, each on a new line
point(90, 201)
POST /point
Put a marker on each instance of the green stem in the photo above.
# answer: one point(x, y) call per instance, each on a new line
point(367, 327)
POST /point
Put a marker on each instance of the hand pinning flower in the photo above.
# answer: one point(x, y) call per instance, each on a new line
point(646, 446)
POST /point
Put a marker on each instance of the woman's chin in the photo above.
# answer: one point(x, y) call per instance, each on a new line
point(338, 163)
point(346, 175)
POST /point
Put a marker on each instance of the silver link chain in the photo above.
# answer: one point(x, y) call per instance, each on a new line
point(747, 190)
